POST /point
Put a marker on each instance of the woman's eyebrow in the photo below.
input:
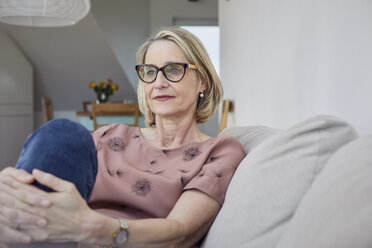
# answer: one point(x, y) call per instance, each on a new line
point(172, 62)
point(166, 63)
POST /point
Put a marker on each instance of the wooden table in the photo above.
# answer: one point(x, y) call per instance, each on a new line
point(86, 119)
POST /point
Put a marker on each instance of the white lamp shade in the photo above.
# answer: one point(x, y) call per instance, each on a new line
point(43, 13)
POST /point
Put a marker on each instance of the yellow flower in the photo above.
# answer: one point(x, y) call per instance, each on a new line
point(103, 88)
point(92, 84)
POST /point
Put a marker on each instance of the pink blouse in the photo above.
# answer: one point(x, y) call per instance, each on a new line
point(137, 180)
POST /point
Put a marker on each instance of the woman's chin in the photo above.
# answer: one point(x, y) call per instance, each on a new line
point(169, 113)
point(166, 114)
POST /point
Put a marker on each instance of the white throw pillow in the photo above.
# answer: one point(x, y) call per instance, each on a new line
point(271, 181)
point(337, 210)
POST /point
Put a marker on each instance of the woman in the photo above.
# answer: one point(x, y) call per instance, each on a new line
point(165, 183)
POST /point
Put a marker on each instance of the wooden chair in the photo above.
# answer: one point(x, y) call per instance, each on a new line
point(226, 108)
point(85, 106)
point(47, 107)
point(114, 109)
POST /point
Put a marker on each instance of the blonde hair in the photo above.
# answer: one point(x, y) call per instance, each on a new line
point(196, 54)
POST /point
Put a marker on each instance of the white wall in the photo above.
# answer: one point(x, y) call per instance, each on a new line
point(172, 12)
point(16, 101)
point(66, 59)
point(282, 61)
point(125, 24)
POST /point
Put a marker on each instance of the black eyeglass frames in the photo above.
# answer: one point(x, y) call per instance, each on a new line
point(173, 72)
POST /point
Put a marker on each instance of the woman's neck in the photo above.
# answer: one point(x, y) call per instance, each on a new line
point(171, 133)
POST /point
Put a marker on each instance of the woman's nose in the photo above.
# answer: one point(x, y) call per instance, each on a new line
point(161, 81)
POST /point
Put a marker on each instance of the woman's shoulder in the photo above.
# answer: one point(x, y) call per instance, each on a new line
point(115, 129)
point(228, 141)
point(228, 147)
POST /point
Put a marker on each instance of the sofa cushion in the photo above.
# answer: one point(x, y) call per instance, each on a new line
point(250, 136)
point(337, 210)
point(272, 179)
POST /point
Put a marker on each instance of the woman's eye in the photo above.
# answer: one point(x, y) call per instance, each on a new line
point(150, 72)
point(174, 69)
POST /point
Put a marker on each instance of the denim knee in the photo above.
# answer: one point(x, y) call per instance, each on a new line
point(65, 149)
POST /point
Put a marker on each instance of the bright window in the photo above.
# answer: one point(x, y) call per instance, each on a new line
point(210, 37)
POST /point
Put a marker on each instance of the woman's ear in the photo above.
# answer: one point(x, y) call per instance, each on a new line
point(203, 86)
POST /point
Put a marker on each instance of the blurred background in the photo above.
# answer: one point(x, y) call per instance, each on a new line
point(280, 61)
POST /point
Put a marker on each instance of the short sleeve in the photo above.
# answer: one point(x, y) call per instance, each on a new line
point(215, 175)
point(99, 133)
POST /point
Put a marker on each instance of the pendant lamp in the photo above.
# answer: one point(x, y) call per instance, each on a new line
point(43, 13)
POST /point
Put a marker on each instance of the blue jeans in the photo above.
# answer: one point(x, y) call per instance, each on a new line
point(65, 149)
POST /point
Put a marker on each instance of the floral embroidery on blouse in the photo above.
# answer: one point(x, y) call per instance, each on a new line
point(191, 153)
point(183, 181)
point(119, 173)
point(116, 144)
point(155, 172)
point(218, 174)
point(201, 174)
point(142, 187)
point(212, 159)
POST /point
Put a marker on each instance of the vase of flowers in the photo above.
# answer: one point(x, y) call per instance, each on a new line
point(103, 89)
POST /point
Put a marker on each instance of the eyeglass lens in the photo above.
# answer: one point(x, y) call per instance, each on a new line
point(172, 72)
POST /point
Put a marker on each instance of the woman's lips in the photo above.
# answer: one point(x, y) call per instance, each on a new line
point(163, 98)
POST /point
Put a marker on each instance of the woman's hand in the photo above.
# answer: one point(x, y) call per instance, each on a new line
point(17, 206)
point(68, 218)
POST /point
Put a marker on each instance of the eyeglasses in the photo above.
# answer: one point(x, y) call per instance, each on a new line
point(173, 72)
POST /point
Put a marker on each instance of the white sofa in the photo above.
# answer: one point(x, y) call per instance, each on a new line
point(306, 186)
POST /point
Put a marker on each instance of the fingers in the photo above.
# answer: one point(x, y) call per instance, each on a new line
point(11, 190)
point(19, 205)
point(9, 235)
point(15, 213)
point(52, 181)
point(17, 219)
point(20, 175)
point(8, 200)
